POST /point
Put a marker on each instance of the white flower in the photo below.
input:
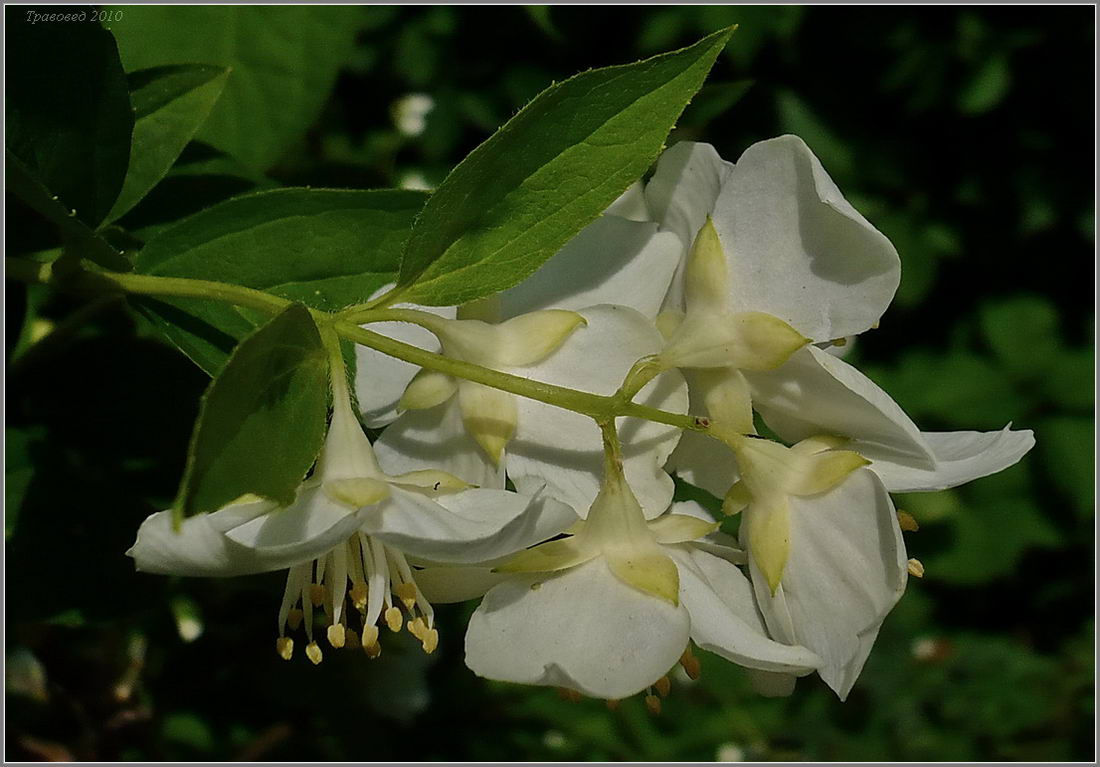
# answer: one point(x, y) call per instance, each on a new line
point(609, 610)
point(798, 251)
point(533, 331)
point(347, 534)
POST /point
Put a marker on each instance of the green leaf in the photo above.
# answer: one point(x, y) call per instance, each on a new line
point(520, 196)
point(170, 103)
point(262, 419)
point(284, 61)
point(325, 248)
point(78, 237)
point(68, 110)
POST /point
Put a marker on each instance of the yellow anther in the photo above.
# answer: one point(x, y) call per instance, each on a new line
point(294, 619)
point(374, 650)
point(358, 596)
point(351, 639)
point(313, 652)
point(406, 592)
point(840, 342)
point(336, 635)
point(285, 647)
point(690, 664)
point(430, 641)
point(906, 522)
point(570, 696)
point(393, 619)
point(417, 628)
point(316, 594)
point(653, 703)
point(370, 637)
point(612, 704)
point(916, 568)
point(664, 686)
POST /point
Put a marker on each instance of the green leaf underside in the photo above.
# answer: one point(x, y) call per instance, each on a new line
point(325, 248)
point(262, 419)
point(552, 169)
point(170, 104)
point(68, 110)
point(284, 61)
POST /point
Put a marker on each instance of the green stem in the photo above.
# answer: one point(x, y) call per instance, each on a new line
point(595, 406)
point(146, 285)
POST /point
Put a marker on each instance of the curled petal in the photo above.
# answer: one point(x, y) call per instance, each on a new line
point(845, 571)
point(468, 527)
point(798, 250)
point(960, 456)
point(724, 619)
point(815, 393)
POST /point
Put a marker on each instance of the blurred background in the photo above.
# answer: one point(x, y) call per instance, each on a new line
point(963, 133)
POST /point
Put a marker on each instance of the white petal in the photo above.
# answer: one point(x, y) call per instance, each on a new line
point(961, 456)
point(584, 629)
point(612, 261)
point(681, 195)
point(846, 570)
point(310, 526)
point(631, 204)
point(200, 547)
point(441, 585)
point(700, 460)
point(380, 379)
point(467, 527)
point(724, 618)
point(797, 249)
point(815, 393)
point(436, 438)
point(564, 450)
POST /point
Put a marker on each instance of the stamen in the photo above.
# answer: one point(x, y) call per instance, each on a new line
point(285, 647)
point(406, 592)
point(293, 591)
point(294, 619)
point(429, 641)
point(664, 686)
point(338, 580)
point(906, 522)
point(313, 652)
point(612, 704)
point(653, 703)
point(916, 568)
point(358, 595)
point(351, 639)
point(417, 628)
point(336, 635)
point(393, 619)
point(374, 650)
point(370, 637)
point(316, 594)
point(690, 664)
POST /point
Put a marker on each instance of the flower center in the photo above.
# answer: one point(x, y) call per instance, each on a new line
point(361, 576)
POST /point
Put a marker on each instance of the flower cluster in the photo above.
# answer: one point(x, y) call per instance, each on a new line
point(724, 290)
